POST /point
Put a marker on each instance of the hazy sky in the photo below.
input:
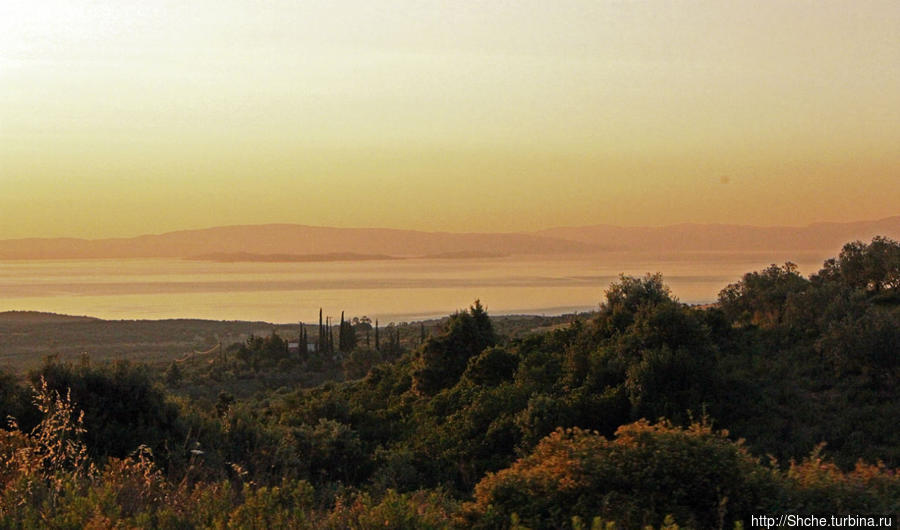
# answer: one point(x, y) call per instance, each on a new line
point(127, 117)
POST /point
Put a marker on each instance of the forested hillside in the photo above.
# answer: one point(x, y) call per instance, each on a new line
point(781, 398)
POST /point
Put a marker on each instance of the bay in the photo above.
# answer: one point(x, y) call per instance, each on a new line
point(390, 290)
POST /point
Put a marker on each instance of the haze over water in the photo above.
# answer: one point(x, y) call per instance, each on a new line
point(391, 290)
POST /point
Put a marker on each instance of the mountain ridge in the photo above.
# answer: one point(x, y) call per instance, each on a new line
point(820, 236)
point(285, 238)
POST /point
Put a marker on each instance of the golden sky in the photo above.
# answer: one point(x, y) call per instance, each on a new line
point(124, 117)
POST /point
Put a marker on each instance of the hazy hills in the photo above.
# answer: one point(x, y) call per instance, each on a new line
point(288, 239)
point(233, 257)
point(294, 240)
point(40, 317)
point(698, 237)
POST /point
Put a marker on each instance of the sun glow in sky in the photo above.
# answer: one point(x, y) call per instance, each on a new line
point(126, 117)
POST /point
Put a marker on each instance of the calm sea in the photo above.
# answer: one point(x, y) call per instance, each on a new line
point(392, 290)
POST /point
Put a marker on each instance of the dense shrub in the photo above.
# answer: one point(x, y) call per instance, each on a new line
point(644, 473)
point(123, 408)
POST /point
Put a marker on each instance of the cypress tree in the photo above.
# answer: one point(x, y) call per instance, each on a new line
point(300, 343)
point(321, 347)
point(347, 335)
point(342, 344)
point(328, 328)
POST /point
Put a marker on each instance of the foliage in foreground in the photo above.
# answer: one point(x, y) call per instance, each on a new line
point(651, 472)
point(648, 474)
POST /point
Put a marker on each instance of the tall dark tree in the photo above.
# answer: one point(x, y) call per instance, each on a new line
point(330, 329)
point(341, 345)
point(301, 341)
point(443, 358)
point(377, 341)
point(346, 335)
point(321, 345)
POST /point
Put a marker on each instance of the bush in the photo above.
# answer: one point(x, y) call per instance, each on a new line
point(646, 472)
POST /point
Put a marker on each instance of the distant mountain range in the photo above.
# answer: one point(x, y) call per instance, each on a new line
point(291, 242)
point(700, 237)
point(234, 257)
point(285, 239)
